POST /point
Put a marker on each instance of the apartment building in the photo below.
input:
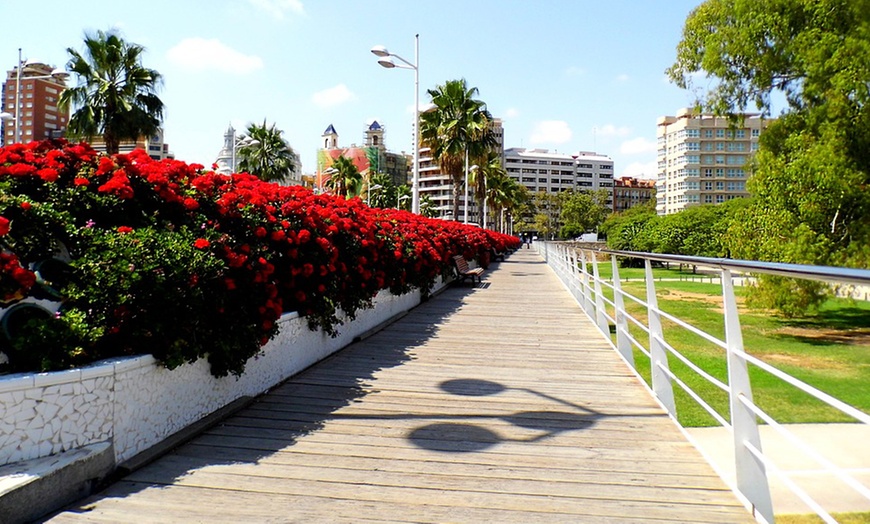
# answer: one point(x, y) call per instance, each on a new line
point(629, 192)
point(37, 112)
point(552, 172)
point(154, 145)
point(702, 159)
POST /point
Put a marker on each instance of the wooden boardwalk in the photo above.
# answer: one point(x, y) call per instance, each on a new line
point(491, 403)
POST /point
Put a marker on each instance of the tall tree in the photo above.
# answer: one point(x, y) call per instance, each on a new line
point(266, 155)
point(811, 173)
point(457, 126)
point(116, 96)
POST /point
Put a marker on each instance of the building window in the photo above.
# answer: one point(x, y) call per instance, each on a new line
point(755, 133)
point(708, 133)
point(708, 172)
point(708, 186)
point(720, 133)
point(741, 133)
point(708, 199)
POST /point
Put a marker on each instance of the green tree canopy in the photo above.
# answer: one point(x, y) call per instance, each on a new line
point(266, 155)
point(582, 211)
point(811, 173)
point(115, 97)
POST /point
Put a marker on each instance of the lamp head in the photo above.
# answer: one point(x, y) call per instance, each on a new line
point(380, 50)
point(387, 62)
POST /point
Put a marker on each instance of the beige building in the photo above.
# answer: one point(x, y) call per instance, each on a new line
point(702, 159)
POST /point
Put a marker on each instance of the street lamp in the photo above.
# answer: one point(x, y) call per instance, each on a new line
point(386, 60)
point(401, 199)
point(58, 74)
point(369, 193)
point(468, 171)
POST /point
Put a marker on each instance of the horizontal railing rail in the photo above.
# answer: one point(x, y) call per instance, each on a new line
point(577, 267)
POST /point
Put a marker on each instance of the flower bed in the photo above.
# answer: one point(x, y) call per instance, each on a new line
point(116, 256)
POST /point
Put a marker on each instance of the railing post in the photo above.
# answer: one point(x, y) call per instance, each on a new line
point(575, 277)
point(658, 354)
point(584, 281)
point(623, 345)
point(751, 474)
point(600, 318)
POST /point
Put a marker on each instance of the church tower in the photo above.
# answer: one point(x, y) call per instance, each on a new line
point(330, 138)
point(225, 157)
point(375, 136)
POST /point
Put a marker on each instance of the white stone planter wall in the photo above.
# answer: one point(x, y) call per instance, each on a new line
point(135, 403)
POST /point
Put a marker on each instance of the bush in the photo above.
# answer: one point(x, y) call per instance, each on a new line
point(162, 257)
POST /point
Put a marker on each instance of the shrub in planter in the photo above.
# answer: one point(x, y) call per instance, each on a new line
point(166, 258)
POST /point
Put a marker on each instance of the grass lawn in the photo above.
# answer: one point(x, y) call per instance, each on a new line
point(830, 351)
point(842, 518)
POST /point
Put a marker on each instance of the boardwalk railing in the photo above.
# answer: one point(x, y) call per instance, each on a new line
point(578, 270)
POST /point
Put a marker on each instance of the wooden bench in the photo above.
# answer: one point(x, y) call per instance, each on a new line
point(496, 255)
point(463, 271)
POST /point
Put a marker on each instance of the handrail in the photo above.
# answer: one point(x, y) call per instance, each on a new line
point(752, 466)
point(824, 273)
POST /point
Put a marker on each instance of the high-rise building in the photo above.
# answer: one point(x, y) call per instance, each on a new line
point(702, 158)
point(629, 192)
point(542, 170)
point(37, 112)
point(438, 186)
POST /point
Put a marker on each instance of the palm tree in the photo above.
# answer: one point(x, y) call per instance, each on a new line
point(381, 192)
point(506, 197)
point(457, 126)
point(115, 96)
point(345, 179)
point(265, 154)
point(480, 178)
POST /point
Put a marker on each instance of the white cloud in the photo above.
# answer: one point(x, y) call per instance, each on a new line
point(641, 170)
point(637, 146)
point(512, 112)
point(551, 132)
point(622, 78)
point(278, 8)
point(612, 130)
point(574, 71)
point(333, 96)
point(200, 54)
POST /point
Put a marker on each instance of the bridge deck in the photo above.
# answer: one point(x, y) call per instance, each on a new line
point(493, 403)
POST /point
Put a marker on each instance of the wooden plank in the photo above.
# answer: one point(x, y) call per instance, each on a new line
point(493, 403)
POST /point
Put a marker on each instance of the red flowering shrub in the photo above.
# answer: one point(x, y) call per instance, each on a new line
point(169, 259)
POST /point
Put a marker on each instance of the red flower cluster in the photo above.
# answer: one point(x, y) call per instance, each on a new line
point(15, 281)
point(282, 248)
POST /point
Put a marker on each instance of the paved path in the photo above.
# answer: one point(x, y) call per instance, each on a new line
point(490, 403)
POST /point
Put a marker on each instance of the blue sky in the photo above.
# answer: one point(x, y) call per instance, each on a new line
point(566, 75)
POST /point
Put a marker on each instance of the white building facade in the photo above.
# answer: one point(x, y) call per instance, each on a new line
point(703, 159)
point(552, 172)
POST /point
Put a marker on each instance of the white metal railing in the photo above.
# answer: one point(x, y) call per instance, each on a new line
point(572, 265)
